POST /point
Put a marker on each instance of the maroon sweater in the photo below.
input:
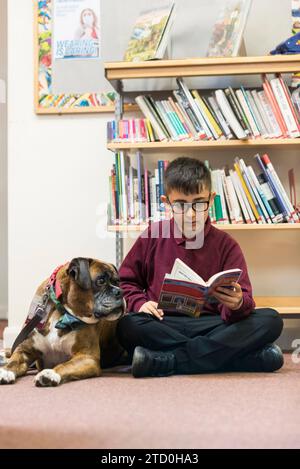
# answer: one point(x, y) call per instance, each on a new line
point(142, 271)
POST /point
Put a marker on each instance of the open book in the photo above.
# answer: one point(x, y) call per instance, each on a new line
point(150, 34)
point(185, 292)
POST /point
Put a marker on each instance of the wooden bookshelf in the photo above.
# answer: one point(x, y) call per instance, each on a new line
point(239, 227)
point(115, 71)
point(83, 109)
point(206, 145)
point(288, 306)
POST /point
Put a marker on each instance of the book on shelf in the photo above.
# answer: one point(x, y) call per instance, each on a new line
point(192, 115)
point(227, 33)
point(184, 292)
point(245, 193)
point(150, 35)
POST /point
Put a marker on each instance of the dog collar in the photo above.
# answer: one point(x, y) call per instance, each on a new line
point(68, 320)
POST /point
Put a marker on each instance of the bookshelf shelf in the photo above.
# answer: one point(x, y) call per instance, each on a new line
point(285, 305)
point(240, 227)
point(206, 145)
point(84, 109)
point(116, 71)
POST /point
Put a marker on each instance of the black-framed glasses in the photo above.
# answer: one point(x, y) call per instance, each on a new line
point(183, 207)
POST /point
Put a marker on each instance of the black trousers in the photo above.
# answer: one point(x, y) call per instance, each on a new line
point(204, 344)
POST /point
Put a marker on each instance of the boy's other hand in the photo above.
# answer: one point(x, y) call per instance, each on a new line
point(231, 298)
point(151, 308)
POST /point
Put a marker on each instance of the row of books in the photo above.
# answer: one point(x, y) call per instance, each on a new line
point(270, 112)
point(242, 195)
point(77, 100)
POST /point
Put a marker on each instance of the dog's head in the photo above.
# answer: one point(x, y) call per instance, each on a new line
point(93, 290)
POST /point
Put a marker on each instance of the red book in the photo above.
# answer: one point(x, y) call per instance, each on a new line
point(288, 97)
point(275, 107)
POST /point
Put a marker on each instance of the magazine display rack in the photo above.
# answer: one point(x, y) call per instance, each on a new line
point(117, 72)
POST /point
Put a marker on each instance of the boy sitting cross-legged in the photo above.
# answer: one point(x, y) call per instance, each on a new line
point(231, 335)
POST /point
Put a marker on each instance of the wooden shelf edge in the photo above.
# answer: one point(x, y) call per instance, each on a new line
point(238, 227)
point(84, 110)
point(157, 146)
point(282, 304)
point(203, 67)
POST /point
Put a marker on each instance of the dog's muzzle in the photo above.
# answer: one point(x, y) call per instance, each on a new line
point(109, 304)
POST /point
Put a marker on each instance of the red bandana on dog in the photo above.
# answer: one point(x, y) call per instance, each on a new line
point(38, 300)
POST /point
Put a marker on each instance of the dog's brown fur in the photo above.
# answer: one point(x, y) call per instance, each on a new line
point(85, 344)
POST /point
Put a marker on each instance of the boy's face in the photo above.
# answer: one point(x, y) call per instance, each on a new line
point(189, 219)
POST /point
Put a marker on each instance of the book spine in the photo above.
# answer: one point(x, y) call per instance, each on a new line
point(270, 114)
point(270, 96)
point(272, 186)
point(239, 196)
point(266, 160)
point(244, 124)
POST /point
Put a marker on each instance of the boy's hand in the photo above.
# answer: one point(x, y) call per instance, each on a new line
point(151, 308)
point(231, 298)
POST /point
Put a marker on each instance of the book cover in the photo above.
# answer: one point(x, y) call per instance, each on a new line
point(185, 292)
point(227, 34)
point(149, 36)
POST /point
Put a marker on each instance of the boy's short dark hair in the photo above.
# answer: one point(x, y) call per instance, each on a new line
point(187, 175)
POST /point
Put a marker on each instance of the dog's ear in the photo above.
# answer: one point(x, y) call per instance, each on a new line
point(115, 269)
point(79, 270)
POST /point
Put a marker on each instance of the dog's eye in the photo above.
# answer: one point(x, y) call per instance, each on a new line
point(100, 281)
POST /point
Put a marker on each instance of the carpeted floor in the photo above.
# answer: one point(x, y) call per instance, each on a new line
point(118, 411)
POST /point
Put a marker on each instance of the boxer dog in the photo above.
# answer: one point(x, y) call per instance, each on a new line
point(76, 337)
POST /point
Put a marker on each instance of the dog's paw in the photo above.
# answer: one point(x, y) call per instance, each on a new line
point(47, 378)
point(6, 376)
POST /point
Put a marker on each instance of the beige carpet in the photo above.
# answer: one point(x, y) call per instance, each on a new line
point(118, 411)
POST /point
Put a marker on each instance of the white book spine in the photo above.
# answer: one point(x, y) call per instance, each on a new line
point(220, 117)
point(202, 119)
point(247, 112)
point(245, 198)
point(227, 197)
point(124, 191)
point(240, 199)
point(256, 192)
point(261, 126)
point(271, 116)
point(285, 108)
point(234, 200)
point(229, 115)
point(149, 115)
point(263, 114)
point(222, 196)
point(136, 200)
point(205, 116)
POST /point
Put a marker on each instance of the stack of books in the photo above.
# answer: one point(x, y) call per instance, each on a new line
point(270, 113)
point(242, 195)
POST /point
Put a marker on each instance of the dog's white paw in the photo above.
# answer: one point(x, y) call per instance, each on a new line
point(47, 378)
point(6, 376)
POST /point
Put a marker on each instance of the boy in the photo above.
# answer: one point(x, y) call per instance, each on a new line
point(230, 335)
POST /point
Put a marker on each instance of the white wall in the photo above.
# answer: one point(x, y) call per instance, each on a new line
point(58, 168)
point(3, 160)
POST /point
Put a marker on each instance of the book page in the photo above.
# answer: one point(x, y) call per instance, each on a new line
point(181, 271)
point(224, 278)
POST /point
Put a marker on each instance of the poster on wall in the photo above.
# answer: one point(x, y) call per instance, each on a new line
point(46, 101)
point(77, 29)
